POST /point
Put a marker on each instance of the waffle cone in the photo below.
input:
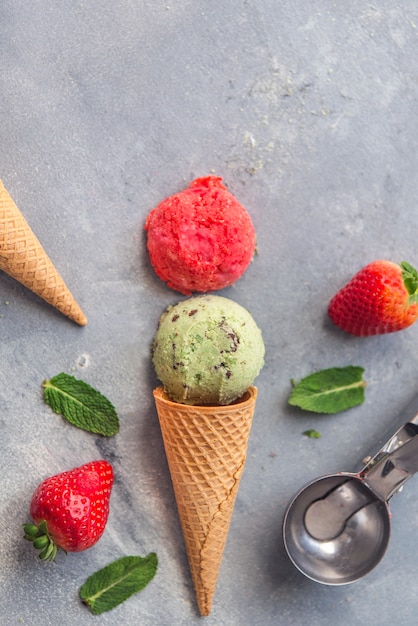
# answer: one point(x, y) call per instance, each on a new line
point(24, 259)
point(206, 448)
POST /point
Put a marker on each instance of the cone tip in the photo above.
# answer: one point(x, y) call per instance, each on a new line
point(80, 319)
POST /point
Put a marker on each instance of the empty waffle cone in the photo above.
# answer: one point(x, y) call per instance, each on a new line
point(206, 448)
point(24, 259)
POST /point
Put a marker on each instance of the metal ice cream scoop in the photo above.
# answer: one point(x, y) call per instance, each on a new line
point(336, 529)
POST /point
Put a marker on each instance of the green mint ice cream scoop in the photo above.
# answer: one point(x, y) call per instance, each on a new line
point(207, 350)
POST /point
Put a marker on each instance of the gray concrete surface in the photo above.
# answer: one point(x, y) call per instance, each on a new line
point(308, 110)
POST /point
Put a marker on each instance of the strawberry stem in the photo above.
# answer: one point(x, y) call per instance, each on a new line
point(41, 540)
point(410, 280)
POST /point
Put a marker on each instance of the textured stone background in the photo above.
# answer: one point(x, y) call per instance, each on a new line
point(308, 110)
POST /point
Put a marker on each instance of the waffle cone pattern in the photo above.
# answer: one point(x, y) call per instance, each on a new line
point(24, 259)
point(206, 448)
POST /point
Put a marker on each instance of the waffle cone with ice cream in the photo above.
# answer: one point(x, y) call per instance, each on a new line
point(23, 258)
point(206, 448)
point(207, 352)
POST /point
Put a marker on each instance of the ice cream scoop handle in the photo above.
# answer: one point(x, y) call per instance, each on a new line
point(391, 470)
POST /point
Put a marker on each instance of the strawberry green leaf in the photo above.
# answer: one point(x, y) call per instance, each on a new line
point(330, 390)
point(410, 279)
point(80, 404)
point(41, 540)
point(116, 582)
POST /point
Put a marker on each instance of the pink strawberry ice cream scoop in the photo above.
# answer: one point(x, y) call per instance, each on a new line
point(200, 239)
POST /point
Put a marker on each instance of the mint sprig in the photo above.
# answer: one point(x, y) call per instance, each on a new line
point(330, 390)
point(116, 582)
point(312, 433)
point(80, 404)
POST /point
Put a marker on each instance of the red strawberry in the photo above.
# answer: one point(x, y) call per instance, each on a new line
point(381, 298)
point(70, 510)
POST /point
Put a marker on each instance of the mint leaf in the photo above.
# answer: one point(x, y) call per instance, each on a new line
point(80, 404)
point(330, 390)
point(312, 433)
point(116, 582)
